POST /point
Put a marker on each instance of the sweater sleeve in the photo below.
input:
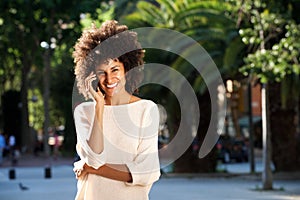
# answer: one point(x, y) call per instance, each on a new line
point(145, 168)
point(84, 119)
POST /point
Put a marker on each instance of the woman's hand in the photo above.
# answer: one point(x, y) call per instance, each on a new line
point(96, 95)
point(82, 172)
point(80, 169)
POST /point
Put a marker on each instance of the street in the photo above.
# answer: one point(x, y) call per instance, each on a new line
point(62, 186)
point(242, 167)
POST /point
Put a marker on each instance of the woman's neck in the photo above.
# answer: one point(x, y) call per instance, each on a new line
point(118, 99)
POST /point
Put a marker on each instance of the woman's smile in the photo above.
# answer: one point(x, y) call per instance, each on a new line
point(112, 85)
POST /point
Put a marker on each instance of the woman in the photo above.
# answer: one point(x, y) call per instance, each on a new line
point(117, 131)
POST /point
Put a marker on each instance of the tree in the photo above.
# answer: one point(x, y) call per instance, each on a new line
point(91, 11)
point(207, 23)
point(13, 20)
point(273, 56)
point(29, 26)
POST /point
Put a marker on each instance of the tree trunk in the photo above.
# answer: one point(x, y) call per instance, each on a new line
point(284, 132)
point(190, 162)
point(267, 178)
point(297, 132)
point(251, 132)
point(235, 112)
point(46, 96)
point(24, 110)
point(26, 139)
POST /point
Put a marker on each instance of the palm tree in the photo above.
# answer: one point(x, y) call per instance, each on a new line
point(208, 24)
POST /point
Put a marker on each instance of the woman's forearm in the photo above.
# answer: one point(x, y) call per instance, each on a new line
point(96, 138)
point(117, 172)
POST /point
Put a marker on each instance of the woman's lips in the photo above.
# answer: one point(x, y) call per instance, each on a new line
point(112, 85)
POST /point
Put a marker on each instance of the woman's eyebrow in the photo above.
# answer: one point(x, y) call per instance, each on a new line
point(115, 66)
point(99, 71)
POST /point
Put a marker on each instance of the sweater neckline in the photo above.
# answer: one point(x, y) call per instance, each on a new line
point(127, 104)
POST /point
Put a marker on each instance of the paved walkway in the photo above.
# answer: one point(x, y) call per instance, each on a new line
point(38, 161)
point(62, 184)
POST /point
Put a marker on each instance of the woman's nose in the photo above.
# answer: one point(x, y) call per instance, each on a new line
point(109, 78)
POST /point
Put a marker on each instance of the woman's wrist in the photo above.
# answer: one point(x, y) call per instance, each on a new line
point(99, 106)
point(92, 170)
point(99, 110)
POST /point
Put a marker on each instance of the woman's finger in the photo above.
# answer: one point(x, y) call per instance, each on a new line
point(89, 80)
point(99, 92)
point(95, 93)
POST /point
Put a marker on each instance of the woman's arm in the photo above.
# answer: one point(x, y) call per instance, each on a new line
point(117, 172)
point(96, 138)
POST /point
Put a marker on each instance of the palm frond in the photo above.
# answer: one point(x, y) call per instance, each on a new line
point(206, 16)
point(135, 20)
point(151, 13)
point(202, 34)
point(168, 6)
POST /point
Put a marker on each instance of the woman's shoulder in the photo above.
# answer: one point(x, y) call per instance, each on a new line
point(143, 106)
point(143, 103)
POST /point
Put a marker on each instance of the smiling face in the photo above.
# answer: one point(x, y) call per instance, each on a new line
point(111, 76)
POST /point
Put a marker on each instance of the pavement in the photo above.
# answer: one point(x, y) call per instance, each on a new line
point(61, 185)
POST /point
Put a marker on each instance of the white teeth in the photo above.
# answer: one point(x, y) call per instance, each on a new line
point(112, 85)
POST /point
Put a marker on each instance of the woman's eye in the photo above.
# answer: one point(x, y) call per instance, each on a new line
point(100, 73)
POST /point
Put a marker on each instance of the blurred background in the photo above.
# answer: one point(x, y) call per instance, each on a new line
point(255, 45)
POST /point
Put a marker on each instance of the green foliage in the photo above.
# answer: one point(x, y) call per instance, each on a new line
point(211, 26)
point(273, 43)
point(35, 109)
point(27, 24)
point(103, 13)
point(275, 63)
point(207, 22)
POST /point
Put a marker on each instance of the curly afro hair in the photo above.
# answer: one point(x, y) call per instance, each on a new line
point(110, 41)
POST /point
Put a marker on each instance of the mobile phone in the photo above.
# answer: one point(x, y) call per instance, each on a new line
point(99, 87)
point(96, 86)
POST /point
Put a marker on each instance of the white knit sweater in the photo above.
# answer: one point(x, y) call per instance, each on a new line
point(130, 137)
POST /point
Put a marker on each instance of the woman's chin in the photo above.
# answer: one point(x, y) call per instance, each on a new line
point(111, 93)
